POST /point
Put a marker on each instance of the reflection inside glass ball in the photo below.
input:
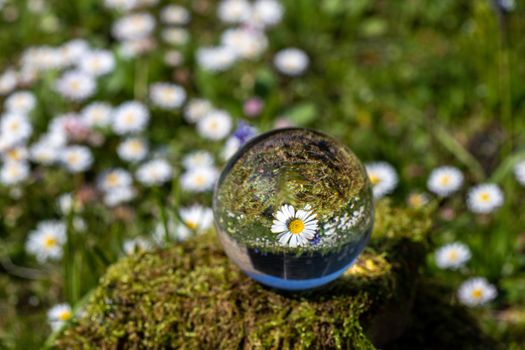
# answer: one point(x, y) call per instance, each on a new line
point(293, 208)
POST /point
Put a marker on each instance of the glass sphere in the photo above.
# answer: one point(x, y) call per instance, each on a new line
point(293, 208)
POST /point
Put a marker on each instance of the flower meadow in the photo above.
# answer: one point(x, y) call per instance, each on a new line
point(117, 117)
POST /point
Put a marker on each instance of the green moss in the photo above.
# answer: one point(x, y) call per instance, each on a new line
point(190, 296)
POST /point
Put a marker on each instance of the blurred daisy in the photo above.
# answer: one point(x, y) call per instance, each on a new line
point(196, 109)
point(136, 245)
point(173, 58)
point(197, 159)
point(266, 13)
point(199, 179)
point(234, 11)
point(97, 62)
point(137, 47)
point(14, 128)
point(134, 26)
point(417, 200)
point(216, 59)
point(58, 315)
point(294, 228)
point(175, 36)
point(291, 61)
point(484, 198)
point(13, 173)
point(21, 102)
point(383, 178)
point(130, 117)
point(452, 256)
point(519, 172)
point(246, 43)
point(216, 125)
point(166, 95)
point(113, 179)
point(476, 291)
point(76, 85)
point(231, 146)
point(76, 158)
point(15, 154)
point(445, 180)
point(121, 5)
point(71, 52)
point(97, 114)
point(197, 218)
point(132, 149)
point(47, 240)
point(67, 202)
point(43, 152)
point(8, 81)
point(175, 15)
point(119, 195)
point(154, 172)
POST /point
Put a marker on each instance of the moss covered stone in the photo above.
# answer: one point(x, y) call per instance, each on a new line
point(190, 296)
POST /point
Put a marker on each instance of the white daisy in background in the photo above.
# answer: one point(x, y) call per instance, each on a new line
point(445, 180)
point(47, 240)
point(266, 13)
point(119, 195)
point(8, 82)
point(197, 218)
point(173, 58)
point(197, 159)
point(67, 202)
point(14, 128)
point(166, 95)
point(216, 59)
point(484, 198)
point(134, 26)
point(137, 47)
point(417, 200)
point(383, 178)
point(71, 52)
point(136, 245)
point(175, 36)
point(97, 114)
point(199, 179)
point(196, 109)
point(113, 179)
point(231, 146)
point(21, 102)
point(215, 125)
point(13, 173)
point(246, 43)
point(97, 62)
point(154, 172)
point(76, 85)
point(121, 5)
point(76, 159)
point(294, 228)
point(44, 152)
point(234, 11)
point(519, 172)
point(291, 61)
point(452, 256)
point(15, 154)
point(132, 149)
point(476, 291)
point(58, 315)
point(175, 15)
point(130, 117)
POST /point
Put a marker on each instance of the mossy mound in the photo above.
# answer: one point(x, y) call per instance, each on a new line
point(190, 296)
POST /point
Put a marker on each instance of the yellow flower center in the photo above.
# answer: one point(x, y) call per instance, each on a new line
point(64, 315)
point(477, 293)
point(374, 179)
point(484, 197)
point(445, 180)
point(112, 179)
point(50, 242)
point(296, 226)
point(191, 224)
point(200, 180)
point(453, 255)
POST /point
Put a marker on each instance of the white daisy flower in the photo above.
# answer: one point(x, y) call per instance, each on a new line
point(76, 85)
point(76, 159)
point(266, 13)
point(97, 62)
point(197, 218)
point(97, 114)
point(135, 245)
point(199, 179)
point(58, 315)
point(119, 195)
point(445, 180)
point(47, 240)
point(175, 15)
point(452, 256)
point(484, 198)
point(15, 154)
point(121, 5)
point(196, 109)
point(166, 95)
point(154, 172)
point(234, 11)
point(231, 146)
point(71, 52)
point(216, 59)
point(294, 228)
point(13, 173)
point(134, 48)
point(14, 128)
point(197, 159)
point(519, 172)
point(132, 149)
point(173, 58)
point(383, 178)
point(291, 61)
point(8, 82)
point(134, 26)
point(114, 178)
point(476, 291)
point(43, 152)
point(246, 43)
point(20, 102)
point(66, 203)
point(417, 200)
point(175, 36)
point(215, 125)
point(130, 117)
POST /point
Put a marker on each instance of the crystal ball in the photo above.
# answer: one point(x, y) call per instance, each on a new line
point(293, 208)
